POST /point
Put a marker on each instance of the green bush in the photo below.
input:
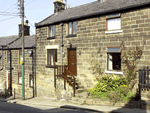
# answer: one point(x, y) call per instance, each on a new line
point(112, 88)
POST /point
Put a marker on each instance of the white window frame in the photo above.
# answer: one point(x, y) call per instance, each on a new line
point(51, 30)
point(71, 30)
point(51, 59)
point(113, 51)
point(112, 19)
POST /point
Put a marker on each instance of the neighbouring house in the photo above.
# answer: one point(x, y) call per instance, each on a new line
point(11, 69)
point(85, 28)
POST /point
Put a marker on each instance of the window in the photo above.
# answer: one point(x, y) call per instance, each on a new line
point(52, 31)
point(31, 80)
point(20, 78)
point(114, 59)
point(51, 56)
point(8, 56)
point(20, 55)
point(113, 22)
point(72, 28)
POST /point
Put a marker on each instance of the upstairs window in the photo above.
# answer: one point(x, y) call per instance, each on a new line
point(114, 59)
point(113, 22)
point(8, 56)
point(52, 31)
point(72, 28)
point(51, 56)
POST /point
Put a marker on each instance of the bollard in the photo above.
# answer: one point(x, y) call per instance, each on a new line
point(14, 93)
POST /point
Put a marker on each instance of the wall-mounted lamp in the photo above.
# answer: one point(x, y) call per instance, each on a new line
point(70, 44)
point(30, 52)
point(79, 52)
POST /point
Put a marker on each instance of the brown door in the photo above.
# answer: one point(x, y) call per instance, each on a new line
point(72, 61)
point(8, 80)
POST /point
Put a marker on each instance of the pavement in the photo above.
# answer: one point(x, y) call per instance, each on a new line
point(51, 102)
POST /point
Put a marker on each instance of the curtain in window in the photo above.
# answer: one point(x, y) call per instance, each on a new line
point(52, 57)
point(114, 24)
point(20, 80)
point(70, 28)
point(110, 62)
point(74, 27)
point(53, 30)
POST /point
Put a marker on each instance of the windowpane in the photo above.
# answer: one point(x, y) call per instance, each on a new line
point(113, 49)
point(48, 57)
point(114, 61)
point(53, 30)
point(20, 78)
point(113, 24)
point(70, 28)
point(74, 27)
point(52, 57)
point(8, 56)
point(50, 31)
point(110, 63)
point(56, 55)
point(31, 80)
point(51, 54)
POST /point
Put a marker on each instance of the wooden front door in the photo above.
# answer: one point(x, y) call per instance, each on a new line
point(72, 61)
point(8, 80)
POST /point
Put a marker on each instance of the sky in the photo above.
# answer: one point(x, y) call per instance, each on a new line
point(35, 11)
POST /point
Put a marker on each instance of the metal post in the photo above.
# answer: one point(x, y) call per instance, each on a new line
point(22, 11)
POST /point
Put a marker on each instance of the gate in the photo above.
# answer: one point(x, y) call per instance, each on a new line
point(144, 79)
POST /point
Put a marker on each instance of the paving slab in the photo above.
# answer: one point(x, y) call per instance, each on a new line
point(50, 102)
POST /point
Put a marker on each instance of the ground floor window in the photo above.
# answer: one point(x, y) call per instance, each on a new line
point(113, 59)
point(31, 80)
point(20, 78)
point(51, 56)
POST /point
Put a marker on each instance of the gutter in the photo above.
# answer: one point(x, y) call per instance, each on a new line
point(94, 14)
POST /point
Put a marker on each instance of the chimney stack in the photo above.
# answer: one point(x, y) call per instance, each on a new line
point(26, 29)
point(59, 5)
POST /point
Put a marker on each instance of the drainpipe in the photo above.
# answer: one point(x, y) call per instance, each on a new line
point(2, 59)
point(61, 46)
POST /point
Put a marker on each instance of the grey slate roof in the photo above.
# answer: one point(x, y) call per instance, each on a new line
point(7, 40)
point(91, 9)
point(29, 42)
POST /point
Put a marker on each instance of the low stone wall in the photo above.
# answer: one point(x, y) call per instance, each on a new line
point(61, 93)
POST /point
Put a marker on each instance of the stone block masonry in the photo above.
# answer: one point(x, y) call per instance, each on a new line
point(90, 36)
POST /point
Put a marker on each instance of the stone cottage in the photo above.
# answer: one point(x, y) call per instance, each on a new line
point(11, 69)
point(70, 36)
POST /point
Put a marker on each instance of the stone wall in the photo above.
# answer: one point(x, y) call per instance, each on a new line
point(17, 67)
point(135, 26)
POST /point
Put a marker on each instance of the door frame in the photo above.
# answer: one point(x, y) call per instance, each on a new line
point(68, 57)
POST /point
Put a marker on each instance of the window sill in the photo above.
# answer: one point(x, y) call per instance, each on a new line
point(49, 38)
point(114, 72)
point(114, 31)
point(71, 36)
